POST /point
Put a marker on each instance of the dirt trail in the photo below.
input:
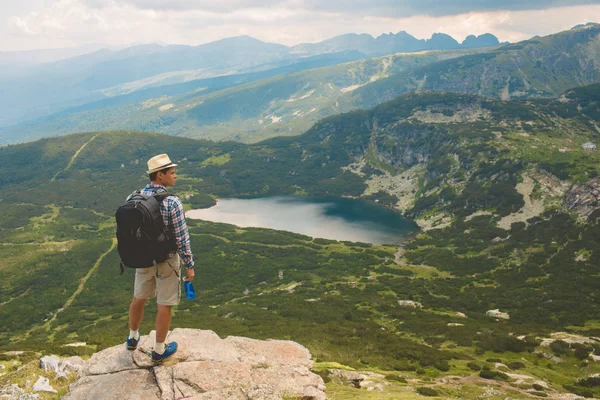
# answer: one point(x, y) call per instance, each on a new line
point(81, 284)
point(74, 157)
point(14, 298)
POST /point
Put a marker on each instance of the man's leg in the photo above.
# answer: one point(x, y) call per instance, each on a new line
point(168, 294)
point(163, 322)
point(136, 313)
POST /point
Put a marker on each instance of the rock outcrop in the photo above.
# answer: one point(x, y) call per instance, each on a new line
point(62, 367)
point(410, 304)
point(497, 314)
point(584, 198)
point(204, 367)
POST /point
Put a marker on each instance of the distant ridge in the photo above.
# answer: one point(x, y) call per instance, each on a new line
point(393, 43)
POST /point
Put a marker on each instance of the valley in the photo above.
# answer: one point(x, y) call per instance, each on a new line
point(472, 171)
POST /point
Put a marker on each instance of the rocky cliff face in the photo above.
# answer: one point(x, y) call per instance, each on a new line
point(205, 367)
point(584, 198)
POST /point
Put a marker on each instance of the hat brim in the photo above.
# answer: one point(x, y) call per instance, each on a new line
point(170, 165)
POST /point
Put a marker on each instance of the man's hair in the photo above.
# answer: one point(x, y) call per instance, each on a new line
point(152, 176)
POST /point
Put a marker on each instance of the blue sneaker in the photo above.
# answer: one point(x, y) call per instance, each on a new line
point(132, 343)
point(170, 349)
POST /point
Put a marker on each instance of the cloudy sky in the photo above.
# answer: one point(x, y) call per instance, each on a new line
point(38, 24)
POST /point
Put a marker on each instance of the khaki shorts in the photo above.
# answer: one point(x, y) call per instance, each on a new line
point(161, 281)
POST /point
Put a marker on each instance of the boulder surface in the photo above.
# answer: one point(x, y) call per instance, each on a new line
point(204, 367)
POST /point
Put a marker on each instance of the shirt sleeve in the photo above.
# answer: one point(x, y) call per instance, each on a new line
point(182, 236)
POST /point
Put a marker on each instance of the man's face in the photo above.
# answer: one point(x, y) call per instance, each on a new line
point(168, 178)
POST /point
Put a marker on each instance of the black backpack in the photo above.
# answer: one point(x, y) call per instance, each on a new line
point(143, 239)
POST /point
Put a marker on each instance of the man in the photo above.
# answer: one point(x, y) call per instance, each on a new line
point(163, 279)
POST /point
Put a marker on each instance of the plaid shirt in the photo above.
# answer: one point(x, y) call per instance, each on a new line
point(172, 213)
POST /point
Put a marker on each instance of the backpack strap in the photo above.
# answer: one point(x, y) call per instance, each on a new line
point(160, 197)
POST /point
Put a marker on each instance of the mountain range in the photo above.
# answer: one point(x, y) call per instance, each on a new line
point(33, 90)
point(252, 107)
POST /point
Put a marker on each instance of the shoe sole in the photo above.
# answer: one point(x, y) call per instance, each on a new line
point(131, 347)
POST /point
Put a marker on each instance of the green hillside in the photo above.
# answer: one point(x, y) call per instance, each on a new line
point(540, 67)
point(505, 194)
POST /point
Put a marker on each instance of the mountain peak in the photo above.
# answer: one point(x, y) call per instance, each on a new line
point(487, 39)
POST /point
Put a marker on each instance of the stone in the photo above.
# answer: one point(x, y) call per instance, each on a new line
point(110, 360)
point(62, 367)
point(270, 351)
point(550, 357)
point(454, 324)
point(361, 380)
point(124, 385)
point(11, 391)
point(72, 364)
point(497, 314)
point(351, 378)
point(462, 315)
point(410, 303)
point(204, 367)
point(43, 385)
point(49, 363)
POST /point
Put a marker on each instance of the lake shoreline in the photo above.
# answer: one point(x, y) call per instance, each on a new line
point(333, 218)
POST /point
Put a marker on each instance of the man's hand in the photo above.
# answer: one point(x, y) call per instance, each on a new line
point(189, 274)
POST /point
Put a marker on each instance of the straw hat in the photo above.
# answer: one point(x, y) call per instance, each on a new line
point(159, 162)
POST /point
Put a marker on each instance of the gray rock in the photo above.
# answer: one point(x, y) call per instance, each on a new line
point(550, 357)
point(410, 304)
point(11, 391)
point(50, 363)
point(204, 367)
point(72, 364)
point(62, 367)
point(348, 377)
point(125, 385)
point(270, 351)
point(108, 361)
point(497, 314)
point(43, 385)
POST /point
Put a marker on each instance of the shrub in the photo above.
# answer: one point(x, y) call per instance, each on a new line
point(427, 391)
point(537, 387)
point(487, 374)
point(404, 366)
point(590, 381)
point(560, 347)
point(582, 352)
point(397, 378)
point(579, 390)
point(515, 365)
point(474, 366)
point(442, 365)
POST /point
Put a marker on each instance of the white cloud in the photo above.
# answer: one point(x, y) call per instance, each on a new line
point(65, 23)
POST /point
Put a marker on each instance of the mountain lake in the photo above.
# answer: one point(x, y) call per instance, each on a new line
point(323, 217)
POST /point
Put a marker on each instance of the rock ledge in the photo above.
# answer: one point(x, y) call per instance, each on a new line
point(204, 367)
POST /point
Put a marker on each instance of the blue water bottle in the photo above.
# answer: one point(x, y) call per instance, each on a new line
point(189, 290)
